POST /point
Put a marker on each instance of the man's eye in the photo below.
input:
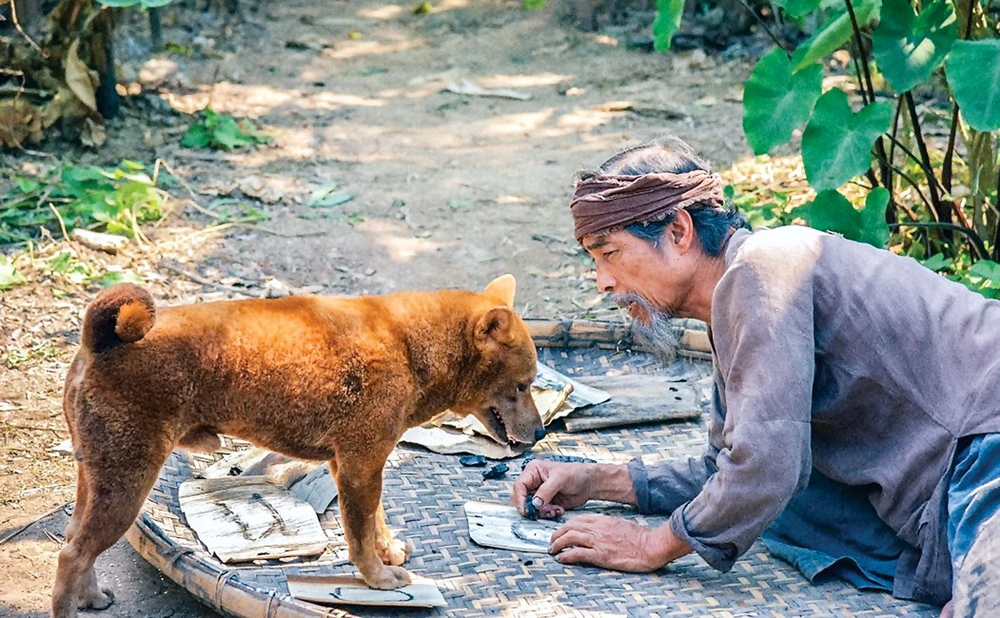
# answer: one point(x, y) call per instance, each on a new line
point(522, 387)
point(608, 254)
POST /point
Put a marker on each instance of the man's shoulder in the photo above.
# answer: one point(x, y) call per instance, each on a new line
point(776, 246)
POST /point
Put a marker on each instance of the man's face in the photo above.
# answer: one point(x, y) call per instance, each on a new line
point(649, 281)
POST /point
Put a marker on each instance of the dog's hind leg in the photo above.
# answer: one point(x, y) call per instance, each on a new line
point(79, 506)
point(359, 481)
point(116, 485)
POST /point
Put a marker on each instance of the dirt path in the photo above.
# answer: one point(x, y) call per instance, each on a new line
point(450, 191)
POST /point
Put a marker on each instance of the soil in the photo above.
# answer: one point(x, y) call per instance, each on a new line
point(450, 191)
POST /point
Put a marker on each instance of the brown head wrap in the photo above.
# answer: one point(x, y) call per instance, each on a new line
point(608, 202)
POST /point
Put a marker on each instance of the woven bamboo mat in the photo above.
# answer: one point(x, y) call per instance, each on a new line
point(424, 494)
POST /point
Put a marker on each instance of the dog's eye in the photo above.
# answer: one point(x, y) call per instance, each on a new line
point(522, 387)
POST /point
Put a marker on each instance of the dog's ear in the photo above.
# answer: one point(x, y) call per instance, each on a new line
point(494, 328)
point(502, 288)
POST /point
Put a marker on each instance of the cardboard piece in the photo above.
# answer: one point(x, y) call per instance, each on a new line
point(246, 518)
point(344, 590)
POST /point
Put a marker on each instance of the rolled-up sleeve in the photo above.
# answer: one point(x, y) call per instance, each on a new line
point(762, 321)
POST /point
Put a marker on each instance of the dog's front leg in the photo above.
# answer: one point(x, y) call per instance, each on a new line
point(390, 549)
point(360, 486)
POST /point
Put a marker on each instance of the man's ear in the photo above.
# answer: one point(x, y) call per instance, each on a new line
point(494, 329)
point(503, 289)
point(681, 231)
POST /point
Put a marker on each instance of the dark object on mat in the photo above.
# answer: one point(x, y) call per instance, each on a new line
point(472, 461)
point(529, 508)
point(539, 434)
point(495, 472)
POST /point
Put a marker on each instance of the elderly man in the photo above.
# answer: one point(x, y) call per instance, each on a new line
point(856, 404)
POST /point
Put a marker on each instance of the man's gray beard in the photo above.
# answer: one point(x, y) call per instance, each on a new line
point(658, 334)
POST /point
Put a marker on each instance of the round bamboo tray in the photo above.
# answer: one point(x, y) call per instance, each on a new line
point(423, 497)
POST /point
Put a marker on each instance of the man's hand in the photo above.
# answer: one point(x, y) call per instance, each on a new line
point(556, 486)
point(618, 544)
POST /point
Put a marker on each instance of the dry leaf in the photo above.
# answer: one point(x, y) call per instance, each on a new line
point(19, 123)
point(470, 89)
point(92, 134)
point(79, 78)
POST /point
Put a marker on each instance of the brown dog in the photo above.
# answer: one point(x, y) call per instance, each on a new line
point(320, 378)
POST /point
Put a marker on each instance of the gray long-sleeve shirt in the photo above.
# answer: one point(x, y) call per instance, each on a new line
point(834, 354)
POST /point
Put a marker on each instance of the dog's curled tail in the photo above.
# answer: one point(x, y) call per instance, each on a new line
point(121, 314)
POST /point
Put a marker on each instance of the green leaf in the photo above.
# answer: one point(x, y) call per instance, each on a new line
point(973, 70)
point(62, 262)
point(9, 276)
point(118, 4)
point(798, 8)
point(532, 5)
point(26, 185)
point(668, 20)
point(135, 166)
point(154, 4)
point(113, 277)
point(937, 262)
point(776, 101)
point(836, 145)
point(831, 212)
point(908, 47)
point(335, 199)
point(197, 136)
point(322, 192)
point(986, 270)
point(833, 34)
point(874, 229)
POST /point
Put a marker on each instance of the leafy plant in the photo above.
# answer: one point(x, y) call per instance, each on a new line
point(937, 66)
point(112, 199)
point(223, 132)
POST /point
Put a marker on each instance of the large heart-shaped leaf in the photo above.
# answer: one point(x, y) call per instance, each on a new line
point(668, 20)
point(836, 145)
point(874, 229)
point(776, 101)
point(831, 212)
point(908, 47)
point(833, 34)
point(798, 8)
point(973, 70)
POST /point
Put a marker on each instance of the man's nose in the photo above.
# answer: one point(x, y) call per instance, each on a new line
point(605, 282)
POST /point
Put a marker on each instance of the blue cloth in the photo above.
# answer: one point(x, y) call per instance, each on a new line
point(974, 526)
point(832, 530)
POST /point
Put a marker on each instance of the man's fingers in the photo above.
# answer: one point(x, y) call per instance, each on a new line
point(517, 495)
point(531, 477)
point(577, 555)
point(571, 538)
point(551, 511)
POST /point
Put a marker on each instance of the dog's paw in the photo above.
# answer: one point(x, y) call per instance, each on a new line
point(98, 598)
point(388, 578)
point(395, 551)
